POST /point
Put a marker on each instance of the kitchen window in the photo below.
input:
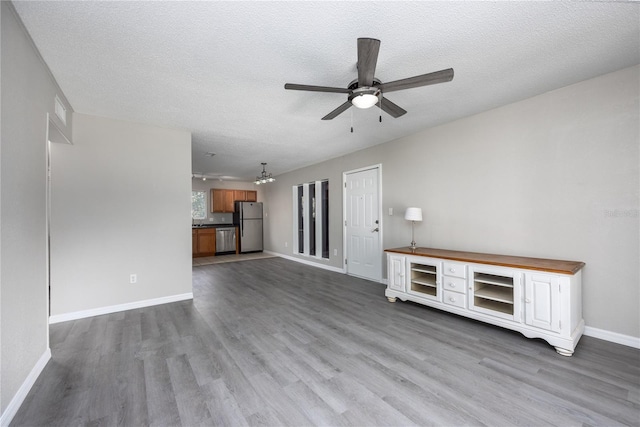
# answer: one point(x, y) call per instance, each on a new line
point(198, 205)
point(311, 219)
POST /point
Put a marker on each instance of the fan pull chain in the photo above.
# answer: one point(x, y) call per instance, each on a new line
point(351, 120)
point(380, 106)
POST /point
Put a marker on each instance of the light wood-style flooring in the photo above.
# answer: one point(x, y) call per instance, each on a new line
point(273, 342)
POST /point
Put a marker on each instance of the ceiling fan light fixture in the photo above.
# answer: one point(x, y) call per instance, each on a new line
point(364, 97)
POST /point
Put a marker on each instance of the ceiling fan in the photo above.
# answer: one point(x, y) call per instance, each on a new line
point(367, 91)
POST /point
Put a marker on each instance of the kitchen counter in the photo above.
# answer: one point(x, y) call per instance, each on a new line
point(197, 226)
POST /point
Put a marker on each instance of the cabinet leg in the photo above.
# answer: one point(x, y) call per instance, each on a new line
point(391, 299)
point(564, 352)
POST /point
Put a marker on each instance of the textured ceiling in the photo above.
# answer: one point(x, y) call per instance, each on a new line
point(218, 68)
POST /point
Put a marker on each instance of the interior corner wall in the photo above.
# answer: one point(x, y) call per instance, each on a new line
point(553, 176)
point(120, 205)
point(28, 94)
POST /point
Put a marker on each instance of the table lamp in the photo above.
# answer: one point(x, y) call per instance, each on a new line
point(413, 215)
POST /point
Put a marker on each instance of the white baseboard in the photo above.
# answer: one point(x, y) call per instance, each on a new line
point(23, 391)
point(116, 308)
point(311, 263)
point(615, 337)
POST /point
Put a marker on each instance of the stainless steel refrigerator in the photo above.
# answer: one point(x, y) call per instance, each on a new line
point(248, 216)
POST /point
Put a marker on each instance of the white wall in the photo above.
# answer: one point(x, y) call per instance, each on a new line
point(553, 176)
point(28, 93)
point(278, 208)
point(120, 202)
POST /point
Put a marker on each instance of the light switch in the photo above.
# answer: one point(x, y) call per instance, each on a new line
point(390, 211)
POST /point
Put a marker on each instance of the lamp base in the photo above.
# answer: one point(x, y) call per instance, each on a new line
point(413, 236)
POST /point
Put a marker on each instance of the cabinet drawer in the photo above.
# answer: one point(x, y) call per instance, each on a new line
point(454, 298)
point(455, 284)
point(454, 269)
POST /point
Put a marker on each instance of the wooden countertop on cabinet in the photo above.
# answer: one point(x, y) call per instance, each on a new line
point(541, 264)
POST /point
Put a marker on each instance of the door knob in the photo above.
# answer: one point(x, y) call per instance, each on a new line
point(375, 230)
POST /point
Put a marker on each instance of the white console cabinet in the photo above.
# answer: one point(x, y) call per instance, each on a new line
point(540, 298)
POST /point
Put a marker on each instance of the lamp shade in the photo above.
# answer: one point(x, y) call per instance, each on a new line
point(365, 100)
point(413, 214)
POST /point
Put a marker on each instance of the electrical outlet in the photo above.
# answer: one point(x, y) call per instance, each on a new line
point(133, 278)
point(390, 211)
point(286, 244)
point(335, 252)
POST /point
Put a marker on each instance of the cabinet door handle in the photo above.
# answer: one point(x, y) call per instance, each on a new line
point(527, 300)
point(453, 270)
point(452, 299)
point(453, 285)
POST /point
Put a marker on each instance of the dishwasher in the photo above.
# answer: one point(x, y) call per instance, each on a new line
point(225, 240)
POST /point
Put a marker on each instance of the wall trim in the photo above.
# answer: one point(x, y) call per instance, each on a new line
point(120, 307)
point(615, 337)
point(23, 391)
point(311, 263)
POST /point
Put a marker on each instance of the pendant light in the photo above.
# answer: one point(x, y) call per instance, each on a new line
point(264, 177)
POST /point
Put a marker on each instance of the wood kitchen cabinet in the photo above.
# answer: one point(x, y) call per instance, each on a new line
point(204, 242)
point(252, 196)
point(240, 195)
point(245, 195)
point(217, 200)
point(222, 200)
point(228, 201)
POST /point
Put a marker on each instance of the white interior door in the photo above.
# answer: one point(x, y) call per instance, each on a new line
point(362, 224)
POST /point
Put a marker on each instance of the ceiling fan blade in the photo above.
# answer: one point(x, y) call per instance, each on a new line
point(292, 86)
point(392, 109)
point(417, 81)
point(341, 109)
point(367, 58)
